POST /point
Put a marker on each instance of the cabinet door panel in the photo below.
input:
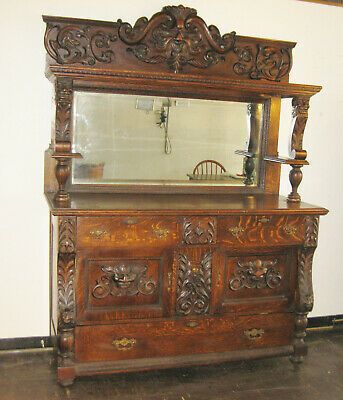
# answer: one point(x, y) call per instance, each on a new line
point(258, 282)
point(122, 285)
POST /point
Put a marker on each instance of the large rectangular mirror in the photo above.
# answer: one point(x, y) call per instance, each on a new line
point(162, 140)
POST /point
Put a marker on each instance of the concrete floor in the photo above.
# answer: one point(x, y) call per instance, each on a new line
point(31, 375)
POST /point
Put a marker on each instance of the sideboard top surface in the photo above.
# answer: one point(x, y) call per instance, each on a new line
point(107, 203)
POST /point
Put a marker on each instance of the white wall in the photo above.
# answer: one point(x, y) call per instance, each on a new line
point(25, 131)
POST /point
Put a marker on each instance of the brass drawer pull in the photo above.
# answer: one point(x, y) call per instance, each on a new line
point(290, 230)
point(192, 324)
point(98, 234)
point(237, 231)
point(130, 221)
point(254, 334)
point(264, 220)
point(124, 344)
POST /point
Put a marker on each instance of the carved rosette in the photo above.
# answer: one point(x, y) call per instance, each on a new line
point(177, 37)
point(255, 274)
point(194, 281)
point(199, 230)
point(124, 280)
point(70, 44)
point(263, 62)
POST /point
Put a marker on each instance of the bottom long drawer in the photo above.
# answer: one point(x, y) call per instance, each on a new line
point(181, 337)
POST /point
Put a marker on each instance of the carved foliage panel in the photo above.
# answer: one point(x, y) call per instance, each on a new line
point(193, 280)
point(199, 230)
point(257, 276)
point(64, 101)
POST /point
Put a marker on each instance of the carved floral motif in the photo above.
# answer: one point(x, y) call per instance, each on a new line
point(263, 62)
point(178, 37)
point(194, 285)
point(123, 280)
point(255, 274)
point(79, 44)
point(199, 230)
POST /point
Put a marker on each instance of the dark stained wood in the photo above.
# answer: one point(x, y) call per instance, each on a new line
point(155, 276)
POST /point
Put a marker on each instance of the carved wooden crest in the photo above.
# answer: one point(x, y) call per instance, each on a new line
point(176, 36)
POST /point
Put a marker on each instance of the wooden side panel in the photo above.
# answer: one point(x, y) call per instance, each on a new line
point(179, 337)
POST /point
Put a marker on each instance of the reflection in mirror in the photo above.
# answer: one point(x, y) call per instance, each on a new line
point(158, 140)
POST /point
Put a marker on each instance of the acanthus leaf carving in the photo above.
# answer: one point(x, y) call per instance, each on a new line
point(64, 99)
point(305, 288)
point(199, 230)
point(178, 37)
point(263, 62)
point(66, 289)
point(124, 280)
point(194, 282)
point(67, 235)
point(301, 106)
point(311, 231)
point(72, 44)
point(256, 274)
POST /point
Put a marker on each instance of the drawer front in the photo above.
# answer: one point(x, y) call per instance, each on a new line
point(181, 337)
point(261, 282)
point(257, 230)
point(122, 285)
point(126, 232)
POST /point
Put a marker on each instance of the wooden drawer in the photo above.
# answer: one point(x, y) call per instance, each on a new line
point(181, 337)
point(257, 230)
point(126, 232)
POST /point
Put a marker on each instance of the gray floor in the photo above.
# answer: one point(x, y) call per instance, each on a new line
point(31, 375)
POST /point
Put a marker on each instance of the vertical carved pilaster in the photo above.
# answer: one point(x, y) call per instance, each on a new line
point(304, 297)
point(64, 100)
point(66, 286)
point(300, 113)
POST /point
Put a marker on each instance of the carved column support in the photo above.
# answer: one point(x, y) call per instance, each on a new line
point(62, 173)
point(249, 167)
point(66, 287)
point(64, 101)
point(304, 296)
point(295, 178)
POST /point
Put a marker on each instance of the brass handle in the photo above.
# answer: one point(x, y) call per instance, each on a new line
point(124, 343)
point(191, 324)
point(263, 220)
point(290, 230)
point(98, 234)
point(237, 231)
point(130, 221)
point(254, 334)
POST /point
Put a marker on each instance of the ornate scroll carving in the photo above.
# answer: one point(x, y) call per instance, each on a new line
point(79, 44)
point(263, 62)
point(194, 285)
point(178, 37)
point(123, 280)
point(67, 234)
point(66, 292)
point(300, 113)
point(255, 274)
point(64, 99)
point(311, 231)
point(199, 230)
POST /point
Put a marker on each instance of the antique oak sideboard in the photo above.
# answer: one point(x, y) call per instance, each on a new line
point(170, 243)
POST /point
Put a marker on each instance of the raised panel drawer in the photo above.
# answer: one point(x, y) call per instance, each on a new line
point(126, 232)
point(181, 337)
point(261, 230)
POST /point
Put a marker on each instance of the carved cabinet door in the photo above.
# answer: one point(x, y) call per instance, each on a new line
point(122, 285)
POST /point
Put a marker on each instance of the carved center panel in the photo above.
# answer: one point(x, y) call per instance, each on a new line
point(194, 281)
point(199, 230)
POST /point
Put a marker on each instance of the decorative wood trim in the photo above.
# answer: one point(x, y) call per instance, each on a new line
point(199, 230)
point(66, 290)
point(124, 280)
point(300, 113)
point(305, 289)
point(255, 274)
point(64, 102)
point(67, 235)
point(194, 282)
point(311, 231)
point(173, 40)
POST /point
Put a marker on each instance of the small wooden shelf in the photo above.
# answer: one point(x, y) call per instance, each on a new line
point(285, 160)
